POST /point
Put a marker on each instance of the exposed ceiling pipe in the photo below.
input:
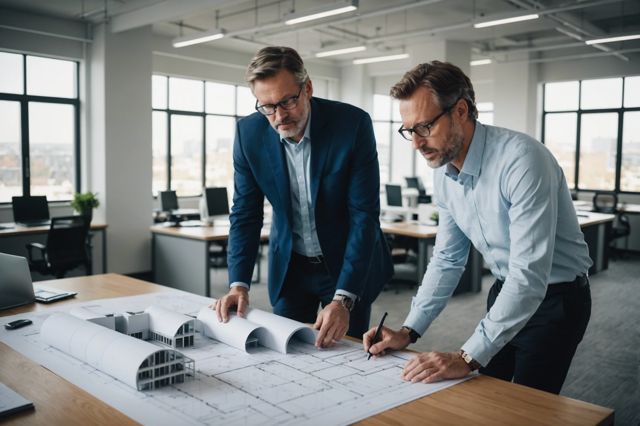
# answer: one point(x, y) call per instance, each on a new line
point(533, 4)
point(47, 33)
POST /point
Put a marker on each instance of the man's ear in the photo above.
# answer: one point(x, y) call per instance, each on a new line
point(461, 109)
point(308, 87)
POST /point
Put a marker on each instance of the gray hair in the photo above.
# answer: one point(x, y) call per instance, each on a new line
point(270, 60)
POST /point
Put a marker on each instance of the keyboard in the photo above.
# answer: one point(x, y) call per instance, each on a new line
point(34, 224)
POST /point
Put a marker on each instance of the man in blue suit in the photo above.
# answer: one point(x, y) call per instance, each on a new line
point(316, 162)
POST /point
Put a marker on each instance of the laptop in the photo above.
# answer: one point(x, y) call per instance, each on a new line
point(16, 287)
point(31, 211)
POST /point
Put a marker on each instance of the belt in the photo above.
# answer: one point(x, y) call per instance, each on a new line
point(579, 282)
point(311, 260)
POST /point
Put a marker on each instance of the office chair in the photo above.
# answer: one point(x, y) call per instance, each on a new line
point(404, 251)
point(607, 202)
point(66, 247)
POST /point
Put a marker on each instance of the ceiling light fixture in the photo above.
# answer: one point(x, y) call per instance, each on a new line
point(380, 59)
point(613, 39)
point(198, 38)
point(478, 62)
point(340, 51)
point(329, 10)
point(506, 21)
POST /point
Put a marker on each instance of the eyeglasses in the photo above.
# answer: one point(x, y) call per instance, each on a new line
point(423, 129)
point(285, 104)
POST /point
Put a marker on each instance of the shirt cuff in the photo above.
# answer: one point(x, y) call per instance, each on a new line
point(239, 284)
point(350, 295)
point(417, 321)
point(479, 348)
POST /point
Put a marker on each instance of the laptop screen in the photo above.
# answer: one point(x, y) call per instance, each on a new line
point(15, 281)
point(217, 201)
point(394, 195)
point(30, 209)
point(168, 201)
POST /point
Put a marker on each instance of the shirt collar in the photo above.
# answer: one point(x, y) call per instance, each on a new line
point(306, 136)
point(473, 161)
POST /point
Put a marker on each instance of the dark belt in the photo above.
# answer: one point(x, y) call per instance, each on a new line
point(310, 260)
point(579, 282)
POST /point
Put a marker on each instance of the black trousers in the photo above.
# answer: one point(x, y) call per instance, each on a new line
point(308, 286)
point(539, 356)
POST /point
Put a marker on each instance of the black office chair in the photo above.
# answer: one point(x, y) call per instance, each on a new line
point(404, 251)
point(65, 250)
point(607, 202)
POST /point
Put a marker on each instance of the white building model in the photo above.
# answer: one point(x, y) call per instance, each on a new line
point(113, 345)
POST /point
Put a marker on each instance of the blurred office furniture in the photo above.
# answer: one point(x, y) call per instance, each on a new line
point(171, 210)
point(214, 207)
point(30, 210)
point(416, 183)
point(607, 202)
point(394, 195)
point(66, 247)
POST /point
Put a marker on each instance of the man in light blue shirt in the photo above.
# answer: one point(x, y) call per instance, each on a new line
point(503, 192)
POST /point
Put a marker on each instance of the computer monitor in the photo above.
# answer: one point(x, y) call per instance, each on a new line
point(33, 210)
point(415, 182)
point(168, 201)
point(215, 204)
point(394, 195)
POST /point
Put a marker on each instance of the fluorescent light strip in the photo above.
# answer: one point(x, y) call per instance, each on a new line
point(320, 15)
point(506, 21)
point(380, 59)
point(613, 39)
point(197, 38)
point(340, 51)
point(480, 62)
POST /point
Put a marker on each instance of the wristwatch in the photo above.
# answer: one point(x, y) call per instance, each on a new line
point(472, 363)
point(413, 335)
point(345, 301)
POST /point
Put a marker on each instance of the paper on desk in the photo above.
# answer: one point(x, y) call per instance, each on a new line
point(234, 333)
point(277, 331)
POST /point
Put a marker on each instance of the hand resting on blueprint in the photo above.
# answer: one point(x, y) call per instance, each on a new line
point(238, 297)
point(425, 367)
point(333, 323)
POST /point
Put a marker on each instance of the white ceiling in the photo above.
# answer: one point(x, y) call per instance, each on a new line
point(382, 25)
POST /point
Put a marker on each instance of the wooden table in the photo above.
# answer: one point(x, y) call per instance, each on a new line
point(11, 231)
point(480, 401)
point(180, 255)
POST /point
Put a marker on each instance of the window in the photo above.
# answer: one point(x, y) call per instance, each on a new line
point(591, 128)
point(396, 155)
point(194, 125)
point(39, 121)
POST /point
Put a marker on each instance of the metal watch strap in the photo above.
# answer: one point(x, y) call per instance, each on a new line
point(472, 363)
point(345, 301)
point(413, 335)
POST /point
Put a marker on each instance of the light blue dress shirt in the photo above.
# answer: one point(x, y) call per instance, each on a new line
point(511, 201)
point(305, 237)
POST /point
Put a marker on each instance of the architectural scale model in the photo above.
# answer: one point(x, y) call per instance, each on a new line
point(115, 344)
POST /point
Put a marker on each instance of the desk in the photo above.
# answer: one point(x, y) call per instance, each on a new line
point(18, 234)
point(596, 227)
point(471, 279)
point(180, 256)
point(482, 400)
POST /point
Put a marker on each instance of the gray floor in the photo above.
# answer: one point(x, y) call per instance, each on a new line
point(606, 368)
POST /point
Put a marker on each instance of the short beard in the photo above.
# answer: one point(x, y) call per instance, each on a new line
point(298, 128)
point(452, 149)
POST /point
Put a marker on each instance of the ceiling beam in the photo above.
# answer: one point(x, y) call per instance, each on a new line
point(165, 10)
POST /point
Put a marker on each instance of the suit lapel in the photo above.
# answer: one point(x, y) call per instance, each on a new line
point(319, 148)
point(275, 153)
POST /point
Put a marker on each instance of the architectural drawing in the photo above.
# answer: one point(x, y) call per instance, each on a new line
point(300, 385)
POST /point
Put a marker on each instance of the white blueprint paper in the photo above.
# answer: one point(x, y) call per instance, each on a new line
point(234, 333)
point(306, 386)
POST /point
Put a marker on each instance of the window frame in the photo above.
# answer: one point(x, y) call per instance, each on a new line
point(24, 99)
point(203, 114)
point(579, 114)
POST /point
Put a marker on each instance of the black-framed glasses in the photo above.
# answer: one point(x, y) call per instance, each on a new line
point(285, 104)
point(423, 129)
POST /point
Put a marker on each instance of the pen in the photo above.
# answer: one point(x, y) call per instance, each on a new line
point(376, 336)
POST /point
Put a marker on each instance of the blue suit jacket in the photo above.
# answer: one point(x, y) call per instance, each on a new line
point(345, 182)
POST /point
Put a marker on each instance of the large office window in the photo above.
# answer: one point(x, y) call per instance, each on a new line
point(193, 131)
point(39, 122)
point(591, 126)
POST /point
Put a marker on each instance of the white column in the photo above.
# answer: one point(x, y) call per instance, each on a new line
point(516, 96)
point(119, 149)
